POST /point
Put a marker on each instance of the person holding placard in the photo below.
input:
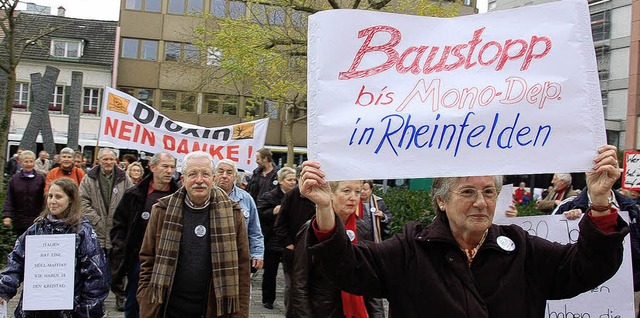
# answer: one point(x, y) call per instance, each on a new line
point(63, 215)
point(462, 265)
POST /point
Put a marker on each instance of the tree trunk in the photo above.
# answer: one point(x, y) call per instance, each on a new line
point(288, 133)
point(5, 121)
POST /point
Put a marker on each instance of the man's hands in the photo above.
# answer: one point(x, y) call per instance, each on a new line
point(257, 263)
point(6, 222)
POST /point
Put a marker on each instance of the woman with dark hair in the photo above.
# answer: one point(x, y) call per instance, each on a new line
point(63, 215)
point(463, 265)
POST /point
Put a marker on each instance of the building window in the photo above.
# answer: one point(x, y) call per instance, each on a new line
point(21, 97)
point(140, 49)
point(130, 48)
point(221, 104)
point(91, 101)
point(228, 9)
point(142, 94)
point(153, 5)
point(237, 10)
point(276, 15)
point(66, 48)
point(213, 56)
point(171, 51)
point(603, 57)
point(169, 100)
point(188, 102)
point(133, 5)
point(601, 25)
point(58, 99)
point(259, 13)
point(253, 108)
point(195, 6)
point(191, 53)
point(176, 6)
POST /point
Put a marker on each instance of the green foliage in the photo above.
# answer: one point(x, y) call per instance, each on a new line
point(408, 205)
point(529, 209)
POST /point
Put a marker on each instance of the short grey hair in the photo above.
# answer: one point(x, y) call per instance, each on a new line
point(284, 172)
point(156, 158)
point(229, 162)
point(566, 177)
point(27, 153)
point(67, 150)
point(441, 188)
point(193, 156)
point(102, 151)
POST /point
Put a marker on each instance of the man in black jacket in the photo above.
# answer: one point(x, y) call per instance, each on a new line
point(265, 177)
point(130, 222)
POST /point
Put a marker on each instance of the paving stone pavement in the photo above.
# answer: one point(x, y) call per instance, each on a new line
point(256, 310)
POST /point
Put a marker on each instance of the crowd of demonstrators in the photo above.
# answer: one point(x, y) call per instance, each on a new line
point(194, 259)
point(24, 198)
point(66, 169)
point(225, 178)
point(63, 215)
point(561, 192)
point(130, 223)
point(269, 204)
point(264, 178)
point(295, 211)
point(501, 271)
point(101, 191)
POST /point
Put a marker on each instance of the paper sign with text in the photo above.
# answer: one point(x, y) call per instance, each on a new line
point(613, 298)
point(49, 272)
point(495, 93)
point(130, 123)
point(631, 174)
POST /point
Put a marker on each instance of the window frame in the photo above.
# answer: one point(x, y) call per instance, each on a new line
point(18, 94)
point(91, 109)
point(66, 42)
point(57, 104)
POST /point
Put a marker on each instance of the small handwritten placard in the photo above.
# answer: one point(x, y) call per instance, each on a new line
point(49, 272)
point(631, 176)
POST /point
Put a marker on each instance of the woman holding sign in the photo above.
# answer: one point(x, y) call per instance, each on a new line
point(62, 215)
point(462, 265)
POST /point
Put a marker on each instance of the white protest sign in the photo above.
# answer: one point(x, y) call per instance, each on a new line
point(465, 96)
point(631, 175)
point(129, 123)
point(613, 298)
point(49, 272)
point(505, 198)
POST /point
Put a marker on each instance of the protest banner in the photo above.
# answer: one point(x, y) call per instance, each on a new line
point(506, 92)
point(49, 268)
point(631, 173)
point(130, 123)
point(613, 298)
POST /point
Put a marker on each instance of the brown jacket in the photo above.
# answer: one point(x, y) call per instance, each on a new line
point(148, 255)
point(549, 203)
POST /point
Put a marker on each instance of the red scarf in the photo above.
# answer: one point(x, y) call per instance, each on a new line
point(353, 305)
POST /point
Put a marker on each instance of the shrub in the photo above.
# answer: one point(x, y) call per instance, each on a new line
point(528, 210)
point(7, 238)
point(407, 205)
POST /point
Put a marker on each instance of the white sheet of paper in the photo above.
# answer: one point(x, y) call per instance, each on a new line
point(49, 272)
point(417, 97)
point(613, 298)
point(504, 200)
point(4, 313)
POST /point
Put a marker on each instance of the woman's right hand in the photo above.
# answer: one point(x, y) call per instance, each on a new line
point(315, 188)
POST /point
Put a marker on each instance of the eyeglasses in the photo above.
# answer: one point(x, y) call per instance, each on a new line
point(471, 194)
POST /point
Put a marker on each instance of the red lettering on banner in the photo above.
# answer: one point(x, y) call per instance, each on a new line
point(232, 152)
point(122, 130)
point(441, 57)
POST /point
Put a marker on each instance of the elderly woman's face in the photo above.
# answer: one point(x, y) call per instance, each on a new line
point(471, 205)
point(346, 197)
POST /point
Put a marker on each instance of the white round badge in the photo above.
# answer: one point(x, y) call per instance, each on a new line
point(373, 210)
point(275, 182)
point(145, 215)
point(506, 243)
point(200, 230)
point(246, 214)
point(115, 190)
point(351, 235)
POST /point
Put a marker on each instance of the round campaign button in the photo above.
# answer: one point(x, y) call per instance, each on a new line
point(145, 215)
point(115, 190)
point(506, 243)
point(200, 230)
point(373, 210)
point(275, 182)
point(351, 234)
point(245, 213)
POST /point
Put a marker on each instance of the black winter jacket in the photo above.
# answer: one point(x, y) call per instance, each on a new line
point(266, 203)
point(423, 270)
